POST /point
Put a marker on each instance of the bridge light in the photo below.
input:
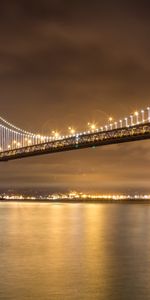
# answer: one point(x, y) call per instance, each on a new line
point(148, 109)
point(92, 126)
point(131, 117)
point(136, 113)
point(121, 123)
point(42, 138)
point(137, 117)
point(110, 119)
point(126, 122)
point(72, 130)
point(116, 125)
point(142, 113)
point(55, 134)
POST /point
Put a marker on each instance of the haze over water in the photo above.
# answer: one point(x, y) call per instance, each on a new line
point(74, 251)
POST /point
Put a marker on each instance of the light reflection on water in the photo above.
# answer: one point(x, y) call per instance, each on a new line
point(74, 251)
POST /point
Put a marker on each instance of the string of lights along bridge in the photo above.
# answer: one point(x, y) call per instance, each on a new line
point(18, 143)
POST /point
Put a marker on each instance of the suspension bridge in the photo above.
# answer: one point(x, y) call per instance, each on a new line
point(17, 143)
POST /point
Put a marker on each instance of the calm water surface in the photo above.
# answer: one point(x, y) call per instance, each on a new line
point(74, 251)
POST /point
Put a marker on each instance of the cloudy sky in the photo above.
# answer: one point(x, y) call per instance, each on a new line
point(65, 63)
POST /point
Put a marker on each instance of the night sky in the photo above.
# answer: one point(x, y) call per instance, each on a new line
point(67, 63)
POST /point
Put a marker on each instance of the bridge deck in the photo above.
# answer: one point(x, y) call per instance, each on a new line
point(116, 136)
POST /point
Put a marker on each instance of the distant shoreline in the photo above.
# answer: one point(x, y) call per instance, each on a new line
point(64, 201)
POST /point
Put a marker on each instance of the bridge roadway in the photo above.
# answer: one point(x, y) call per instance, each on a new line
point(94, 139)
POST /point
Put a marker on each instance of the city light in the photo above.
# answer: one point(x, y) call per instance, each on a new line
point(76, 196)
